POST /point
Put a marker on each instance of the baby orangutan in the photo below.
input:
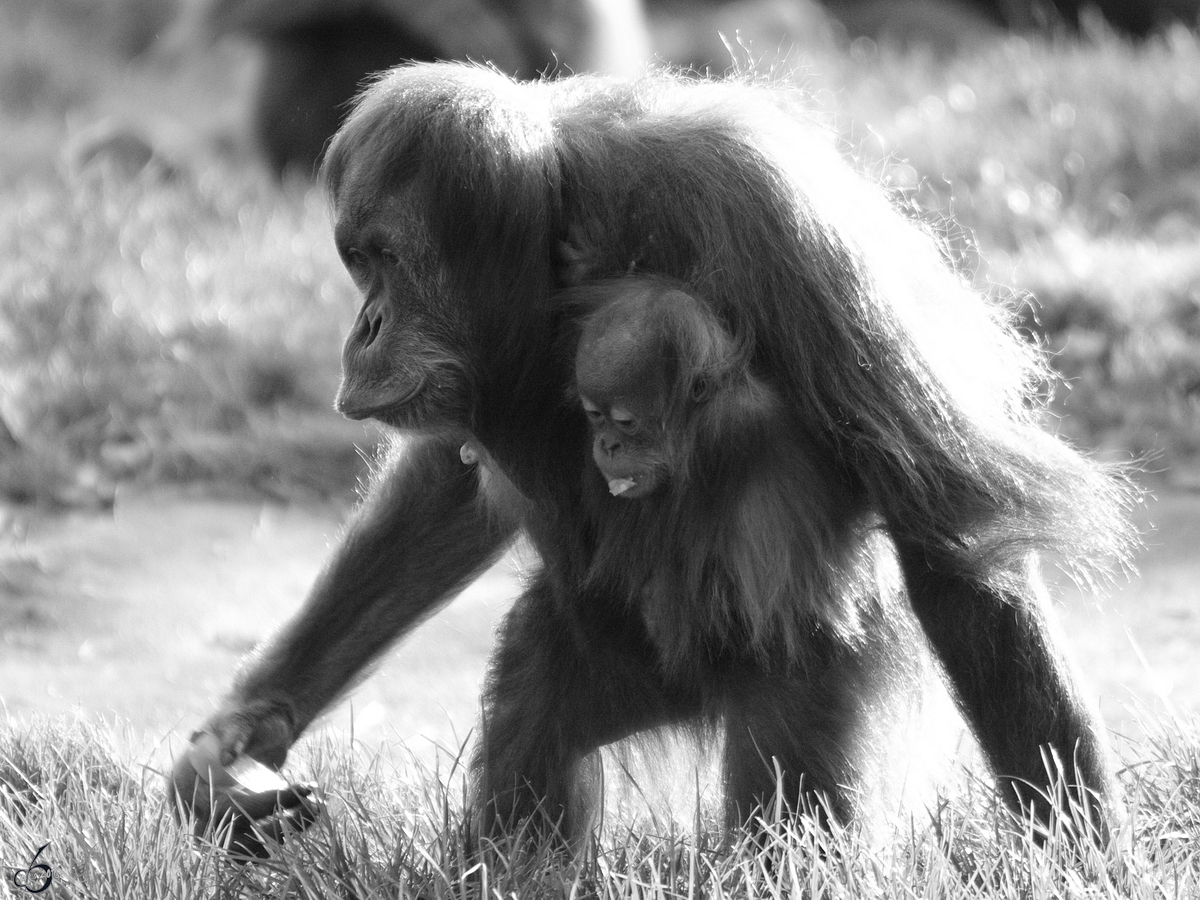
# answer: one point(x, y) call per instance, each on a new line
point(649, 356)
point(739, 517)
point(662, 382)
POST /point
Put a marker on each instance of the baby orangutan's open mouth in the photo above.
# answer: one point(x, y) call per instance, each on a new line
point(618, 486)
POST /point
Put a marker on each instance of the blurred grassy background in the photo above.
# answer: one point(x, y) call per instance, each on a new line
point(168, 313)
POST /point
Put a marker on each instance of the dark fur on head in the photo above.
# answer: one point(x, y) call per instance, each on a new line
point(652, 322)
point(490, 192)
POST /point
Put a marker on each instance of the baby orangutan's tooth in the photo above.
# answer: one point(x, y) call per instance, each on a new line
point(618, 486)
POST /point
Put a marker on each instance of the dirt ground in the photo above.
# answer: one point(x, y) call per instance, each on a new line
point(139, 616)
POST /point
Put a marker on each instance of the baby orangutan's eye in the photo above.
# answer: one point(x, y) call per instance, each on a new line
point(623, 419)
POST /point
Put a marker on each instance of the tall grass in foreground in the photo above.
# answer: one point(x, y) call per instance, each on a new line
point(391, 832)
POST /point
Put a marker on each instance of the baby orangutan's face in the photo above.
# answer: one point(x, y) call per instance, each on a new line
point(626, 447)
point(624, 376)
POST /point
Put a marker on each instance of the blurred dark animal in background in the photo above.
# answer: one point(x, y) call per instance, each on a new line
point(118, 147)
point(317, 53)
point(464, 204)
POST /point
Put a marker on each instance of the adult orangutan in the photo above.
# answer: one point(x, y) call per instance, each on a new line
point(465, 204)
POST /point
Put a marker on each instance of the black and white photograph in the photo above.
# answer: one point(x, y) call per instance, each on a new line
point(617, 449)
